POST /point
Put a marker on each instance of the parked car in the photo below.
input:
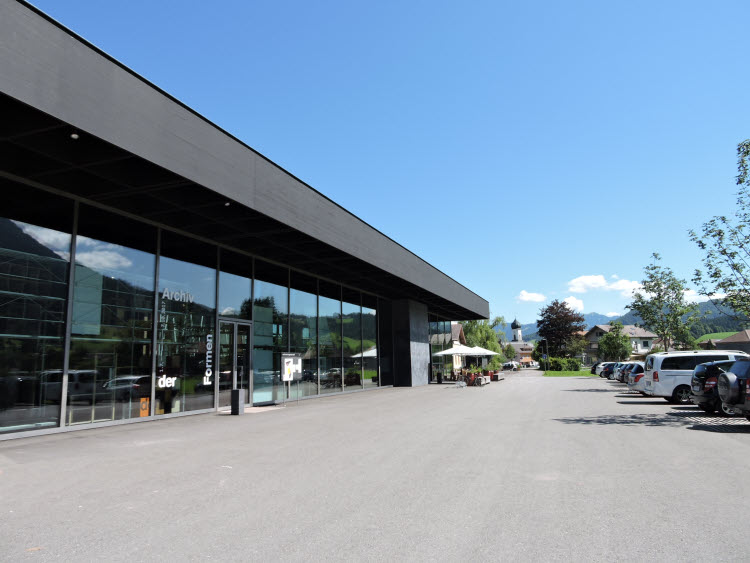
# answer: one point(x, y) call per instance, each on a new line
point(593, 368)
point(635, 378)
point(607, 370)
point(600, 368)
point(621, 372)
point(669, 374)
point(734, 388)
point(705, 392)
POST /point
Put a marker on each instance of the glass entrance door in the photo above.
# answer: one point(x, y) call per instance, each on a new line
point(235, 364)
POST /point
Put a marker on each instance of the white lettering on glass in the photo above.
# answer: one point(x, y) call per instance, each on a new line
point(209, 359)
point(174, 295)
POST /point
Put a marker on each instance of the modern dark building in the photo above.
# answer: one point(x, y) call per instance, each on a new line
point(150, 262)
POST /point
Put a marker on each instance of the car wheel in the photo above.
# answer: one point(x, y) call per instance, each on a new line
point(723, 410)
point(681, 395)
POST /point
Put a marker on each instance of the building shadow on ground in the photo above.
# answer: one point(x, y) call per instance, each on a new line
point(679, 417)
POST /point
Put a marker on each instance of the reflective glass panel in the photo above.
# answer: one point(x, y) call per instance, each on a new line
point(369, 342)
point(330, 343)
point(235, 286)
point(226, 362)
point(33, 295)
point(185, 354)
point(303, 334)
point(110, 353)
point(351, 324)
point(270, 318)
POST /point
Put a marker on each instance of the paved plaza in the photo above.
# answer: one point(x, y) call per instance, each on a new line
point(529, 468)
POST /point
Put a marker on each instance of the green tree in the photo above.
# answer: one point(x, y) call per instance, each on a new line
point(614, 345)
point(509, 352)
point(725, 242)
point(559, 325)
point(661, 304)
point(482, 333)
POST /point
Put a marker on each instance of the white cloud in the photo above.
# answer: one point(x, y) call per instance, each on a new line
point(583, 283)
point(693, 296)
point(575, 303)
point(625, 287)
point(534, 297)
point(103, 259)
point(51, 239)
point(613, 315)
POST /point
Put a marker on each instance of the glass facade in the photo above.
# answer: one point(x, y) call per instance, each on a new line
point(150, 323)
point(330, 360)
point(351, 327)
point(370, 376)
point(440, 339)
point(303, 332)
point(109, 375)
point(34, 264)
point(270, 325)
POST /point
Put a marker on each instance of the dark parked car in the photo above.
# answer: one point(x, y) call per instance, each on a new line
point(704, 390)
point(593, 368)
point(734, 387)
point(608, 371)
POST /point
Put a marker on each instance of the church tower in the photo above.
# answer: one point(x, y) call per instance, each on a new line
point(516, 326)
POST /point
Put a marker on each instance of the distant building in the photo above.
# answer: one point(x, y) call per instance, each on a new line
point(739, 341)
point(523, 349)
point(641, 340)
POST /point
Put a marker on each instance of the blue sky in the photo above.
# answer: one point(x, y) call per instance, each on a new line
point(529, 150)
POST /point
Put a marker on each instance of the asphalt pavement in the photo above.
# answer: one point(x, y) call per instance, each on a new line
point(529, 469)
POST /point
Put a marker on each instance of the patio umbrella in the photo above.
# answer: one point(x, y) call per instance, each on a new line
point(459, 350)
point(479, 351)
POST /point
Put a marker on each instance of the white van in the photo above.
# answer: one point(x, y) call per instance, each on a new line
point(668, 374)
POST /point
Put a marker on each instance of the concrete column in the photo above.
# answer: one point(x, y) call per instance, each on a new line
point(411, 346)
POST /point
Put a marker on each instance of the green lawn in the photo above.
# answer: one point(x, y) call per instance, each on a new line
point(716, 336)
point(581, 373)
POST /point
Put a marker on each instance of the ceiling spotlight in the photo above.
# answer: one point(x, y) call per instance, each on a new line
point(226, 204)
point(74, 135)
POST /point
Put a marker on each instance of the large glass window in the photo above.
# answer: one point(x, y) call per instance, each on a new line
point(351, 325)
point(303, 332)
point(186, 317)
point(270, 318)
point(329, 307)
point(109, 375)
point(235, 286)
point(34, 263)
point(369, 341)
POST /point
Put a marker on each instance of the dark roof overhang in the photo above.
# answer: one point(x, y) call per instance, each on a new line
point(139, 151)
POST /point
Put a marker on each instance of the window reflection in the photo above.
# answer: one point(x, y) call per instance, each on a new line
point(110, 354)
point(330, 339)
point(186, 348)
point(351, 324)
point(270, 317)
point(33, 295)
point(369, 342)
point(303, 333)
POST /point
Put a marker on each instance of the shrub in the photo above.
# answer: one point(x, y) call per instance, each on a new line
point(573, 364)
point(557, 364)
